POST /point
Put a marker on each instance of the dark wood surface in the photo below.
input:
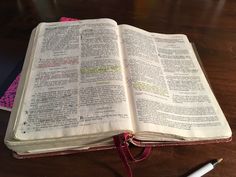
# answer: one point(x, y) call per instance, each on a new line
point(210, 24)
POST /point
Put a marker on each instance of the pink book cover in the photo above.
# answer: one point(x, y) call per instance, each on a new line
point(7, 100)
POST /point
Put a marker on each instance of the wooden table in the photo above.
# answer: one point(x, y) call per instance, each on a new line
point(211, 25)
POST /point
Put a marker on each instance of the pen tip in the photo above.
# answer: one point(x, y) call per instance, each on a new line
point(219, 160)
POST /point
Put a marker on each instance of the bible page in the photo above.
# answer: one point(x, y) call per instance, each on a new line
point(76, 82)
point(170, 93)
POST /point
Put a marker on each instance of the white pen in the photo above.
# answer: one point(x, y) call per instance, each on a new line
point(205, 169)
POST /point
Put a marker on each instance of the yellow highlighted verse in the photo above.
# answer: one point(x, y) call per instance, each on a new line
point(141, 86)
point(99, 70)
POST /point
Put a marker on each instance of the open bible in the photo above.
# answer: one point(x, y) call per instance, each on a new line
point(85, 81)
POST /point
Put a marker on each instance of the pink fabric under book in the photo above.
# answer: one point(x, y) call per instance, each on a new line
point(7, 100)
